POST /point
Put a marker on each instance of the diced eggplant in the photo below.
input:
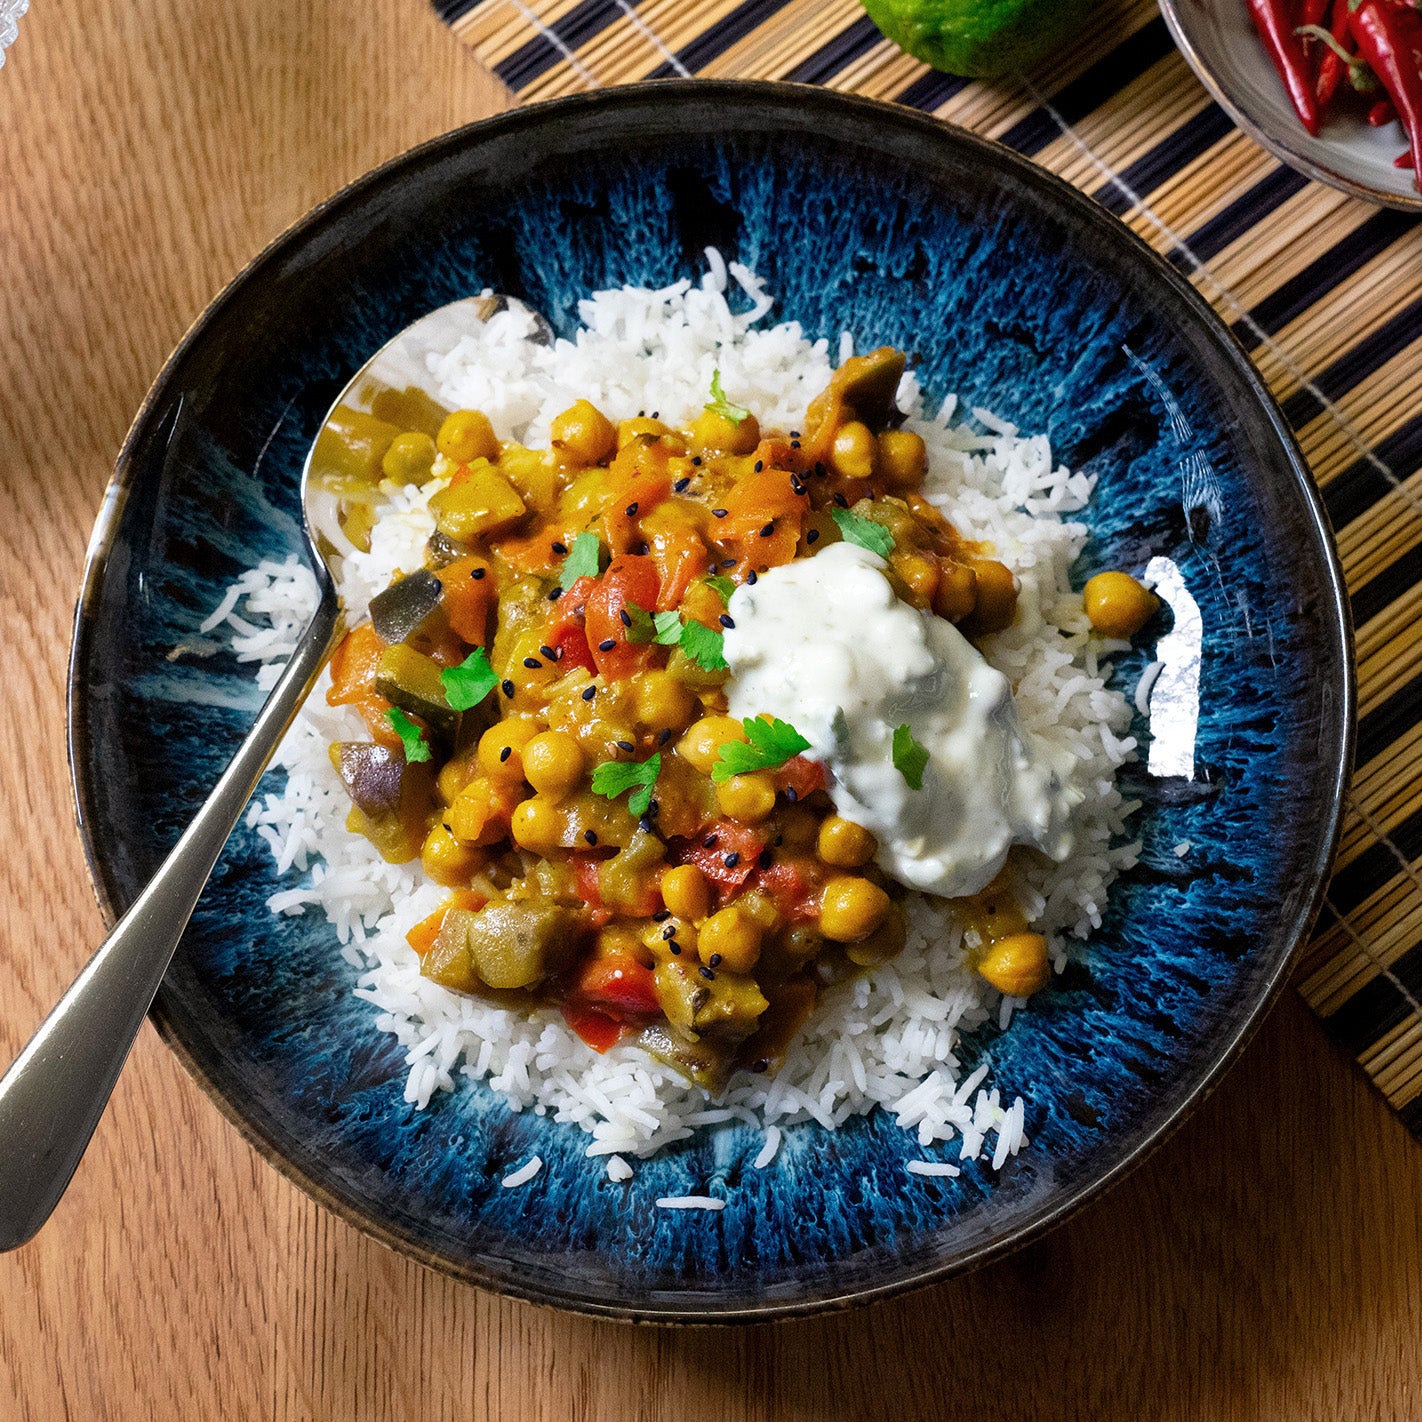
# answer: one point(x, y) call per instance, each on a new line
point(506, 944)
point(371, 774)
point(482, 502)
point(404, 607)
point(399, 834)
point(410, 680)
point(441, 550)
point(791, 1002)
point(869, 383)
point(409, 409)
point(351, 445)
point(704, 1063)
point(724, 1005)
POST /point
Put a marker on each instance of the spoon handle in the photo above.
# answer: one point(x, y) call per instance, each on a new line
point(56, 1090)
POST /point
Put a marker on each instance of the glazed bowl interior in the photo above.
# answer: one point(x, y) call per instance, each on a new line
point(1221, 45)
point(1004, 286)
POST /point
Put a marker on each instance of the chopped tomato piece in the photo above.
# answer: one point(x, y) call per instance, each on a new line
point(630, 579)
point(794, 887)
point(619, 985)
point(760, 499)
point(597, 1029)
point(422, 936)
point(631, 499)
point(585, 871)
point(725, 852)
point(571, 645)
point(534, 552)
point(802, 775)
point(468, 596)
point(679, 555)
point(353, 670)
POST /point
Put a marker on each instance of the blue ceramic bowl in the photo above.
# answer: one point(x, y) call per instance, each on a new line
point(1005, 286)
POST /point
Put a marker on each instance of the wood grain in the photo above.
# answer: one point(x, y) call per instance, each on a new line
point(1266, 1264)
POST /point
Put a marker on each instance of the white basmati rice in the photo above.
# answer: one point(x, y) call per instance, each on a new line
point(891, 1037)
point(690, 1202)
point(523, 1174)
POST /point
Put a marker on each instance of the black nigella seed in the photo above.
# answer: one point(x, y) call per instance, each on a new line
point(794, 444)
point(696, 459)
point(768, 529)
point(661, 915)
point(669, 931)
point(841, 501)
point(590, 693)
point(709, 842)
point(764, 859)
point(626, 617)
point(751, 577)
point(675, 948)
point(720, 513)
point(555, 594)
point(727, 621)
point(794, 434)
point(532, 663)
point(732, 859)
point(728, 562)
point(625, 746)
point(632, 509)
point(760, 1064)
point(641, 414)
point(656, 414)
point(682, 485)
point(505, 753)
point(549, 653)
point(560, 549)
point(759, 465)
point(714, 961)
point(645, 825)
point(590, 836)
point(508, 688)
point(478, 573)
point(796, 485)
point(654, 808)
point(813, 536)
point(607, 644)
point(664, 736)
point(791, 794)
point(707, 974)
point(642, 549)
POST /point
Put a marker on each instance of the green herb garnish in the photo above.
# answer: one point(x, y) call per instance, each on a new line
point(668, 625)
point(722, 585)
point(910, 758)
point(581, 561)
point(771, 743)
point(704, 646)
point(721, 405)
point(863, 531)
point(639, 624)
point(612, 777)
point(466, 685)
point(411, 737)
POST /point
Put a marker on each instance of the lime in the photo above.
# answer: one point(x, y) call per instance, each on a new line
point(979, 38)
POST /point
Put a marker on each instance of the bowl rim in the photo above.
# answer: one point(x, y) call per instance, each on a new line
point(789, 99)
point(1272, 143)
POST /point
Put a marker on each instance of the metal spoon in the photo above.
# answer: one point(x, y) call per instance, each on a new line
point(53, 1095)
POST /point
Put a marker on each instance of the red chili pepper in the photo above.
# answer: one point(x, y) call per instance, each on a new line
point(1276, 29)
point(1390, 41)
point(1331, 68)
point(1381, 112)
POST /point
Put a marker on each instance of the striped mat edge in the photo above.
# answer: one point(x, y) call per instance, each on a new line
point(1324, 291)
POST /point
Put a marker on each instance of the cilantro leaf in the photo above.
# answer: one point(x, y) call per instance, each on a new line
point(910, 758)
point(668, 625)
point(470, 682)
point(770, 744)
point(413, 739)
point(581, 561)
point(721, 405)
point(703, 645)
point(863, 531)
point(640, 627)
point(612, 777)
point(722, 585)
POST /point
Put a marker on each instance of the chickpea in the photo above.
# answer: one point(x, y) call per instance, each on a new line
point(919, 574)
point(844, 844)
point(714, 433)
point(903, 459)
point(467, 435)
point(1118, 605)
point(1017, 965)
point(553, 764)
point(957, 592)
point(474, 816)
point(851, 909)
point(663, 702)
point(747, 798)
point(500, 752)
point(887, 941)
point(446, 860)
point(537, 825)
point(584, 433)
point(686, 892)
point(456, 774)
point(409, 459)
point(996, 603)
point(730, 939)
point(854, 451)
point(701, 745)
point(660, 943)
point(640, 428)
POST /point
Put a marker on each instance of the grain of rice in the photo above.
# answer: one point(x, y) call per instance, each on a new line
point(932, 1167)
point(523, 1174)
point(690, 1202)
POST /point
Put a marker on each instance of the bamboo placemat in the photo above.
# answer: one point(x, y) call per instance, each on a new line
point(1324, 291)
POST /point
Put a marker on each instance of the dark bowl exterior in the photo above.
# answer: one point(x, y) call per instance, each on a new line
point(1006, 286)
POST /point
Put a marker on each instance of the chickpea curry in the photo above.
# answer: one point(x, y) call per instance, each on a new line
point(547, 716)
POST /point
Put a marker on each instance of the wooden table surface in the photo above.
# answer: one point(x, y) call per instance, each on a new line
point(1263, 1265)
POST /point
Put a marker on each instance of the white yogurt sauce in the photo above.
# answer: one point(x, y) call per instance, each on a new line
point(825, 644)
